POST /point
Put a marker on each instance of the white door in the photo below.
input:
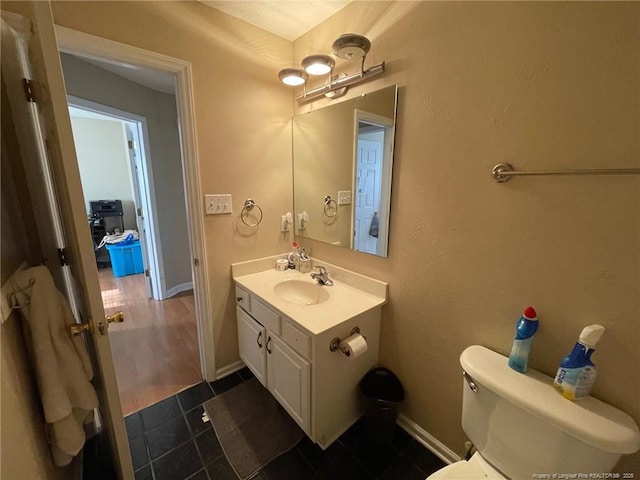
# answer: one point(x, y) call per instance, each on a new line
point(288, 380)
point(368, 178)
point(141, 208)
point(251, 341)
point(55, 137)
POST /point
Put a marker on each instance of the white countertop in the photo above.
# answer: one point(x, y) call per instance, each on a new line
point(350, 295)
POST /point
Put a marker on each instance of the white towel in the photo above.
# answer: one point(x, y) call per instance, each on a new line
point(61, 363)
point(118, 237)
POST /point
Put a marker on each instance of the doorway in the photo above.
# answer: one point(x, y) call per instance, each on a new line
point(159, 324)
point(182, 305)
point(112, 146)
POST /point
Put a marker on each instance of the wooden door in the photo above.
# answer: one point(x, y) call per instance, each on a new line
point(49, 136)
point(368, 178)
point(142, 211)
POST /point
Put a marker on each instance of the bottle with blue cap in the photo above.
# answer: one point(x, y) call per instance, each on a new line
point(525, 330)
point(577, 373)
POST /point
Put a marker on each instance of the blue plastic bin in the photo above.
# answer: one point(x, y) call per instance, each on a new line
point(126, 259)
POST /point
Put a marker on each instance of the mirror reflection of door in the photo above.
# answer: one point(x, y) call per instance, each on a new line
point(368, 181)
point(374, 151)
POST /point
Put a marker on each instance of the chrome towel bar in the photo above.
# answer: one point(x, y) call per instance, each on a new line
point(503, 172)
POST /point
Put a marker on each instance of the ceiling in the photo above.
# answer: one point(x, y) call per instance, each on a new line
point(285, 18)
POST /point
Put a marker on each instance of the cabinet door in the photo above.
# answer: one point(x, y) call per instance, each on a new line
point(251, 343)
point(288, 380)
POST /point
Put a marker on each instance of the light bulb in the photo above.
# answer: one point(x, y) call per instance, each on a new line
point(318, 64)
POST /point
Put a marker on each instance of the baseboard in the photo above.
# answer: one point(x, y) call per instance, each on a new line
point(229, 369)
point(183, 287)
point(427, 440)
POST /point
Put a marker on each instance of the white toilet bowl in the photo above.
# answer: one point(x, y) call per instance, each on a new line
point(476, 468)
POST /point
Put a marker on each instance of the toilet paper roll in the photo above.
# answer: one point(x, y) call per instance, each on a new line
point(354, 346)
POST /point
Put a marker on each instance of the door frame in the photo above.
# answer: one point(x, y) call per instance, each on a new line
point(153, 243)
point(94, 47)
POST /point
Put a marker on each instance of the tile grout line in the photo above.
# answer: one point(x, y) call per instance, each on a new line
point(305, 459)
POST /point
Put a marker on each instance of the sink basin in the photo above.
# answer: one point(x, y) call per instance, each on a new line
point(301, 293)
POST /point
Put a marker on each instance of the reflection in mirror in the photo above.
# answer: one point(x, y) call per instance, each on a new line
point(342, 166)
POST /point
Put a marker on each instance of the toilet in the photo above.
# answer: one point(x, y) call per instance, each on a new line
point(523, 429)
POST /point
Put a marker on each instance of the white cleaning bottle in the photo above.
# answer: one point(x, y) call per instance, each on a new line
point(577, 373)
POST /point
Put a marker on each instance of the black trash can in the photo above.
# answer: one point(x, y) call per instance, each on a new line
point(383, 393)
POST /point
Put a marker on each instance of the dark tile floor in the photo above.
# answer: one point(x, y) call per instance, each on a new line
point(169, 441)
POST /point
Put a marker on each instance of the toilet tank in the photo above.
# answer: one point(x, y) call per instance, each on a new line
point(523, 427)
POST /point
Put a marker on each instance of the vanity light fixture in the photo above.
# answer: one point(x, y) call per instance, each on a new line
point(293, 76)
point(318, 64)
point(349, 46)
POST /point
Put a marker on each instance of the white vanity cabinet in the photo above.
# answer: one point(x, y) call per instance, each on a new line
point(274, 363)
point(288, 334)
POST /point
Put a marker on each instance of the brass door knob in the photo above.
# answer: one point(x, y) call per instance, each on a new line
point(80, 328)
point(117, 317)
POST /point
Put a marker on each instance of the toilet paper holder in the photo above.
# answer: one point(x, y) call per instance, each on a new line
point(335, 343)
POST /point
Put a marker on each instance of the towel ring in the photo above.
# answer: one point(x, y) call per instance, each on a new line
point(248, 206)
point(327, 205)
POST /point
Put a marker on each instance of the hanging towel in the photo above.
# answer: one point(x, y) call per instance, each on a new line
point(375, 225)
point(61, 363)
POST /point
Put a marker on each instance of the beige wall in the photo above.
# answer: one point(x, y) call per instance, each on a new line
point(242, 124)
point(103, 160)
point(541, 85)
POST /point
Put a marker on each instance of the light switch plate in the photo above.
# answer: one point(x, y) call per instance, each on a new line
point(217, 204)
point(344, 197)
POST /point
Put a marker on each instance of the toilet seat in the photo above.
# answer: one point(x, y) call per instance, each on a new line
point(476, 468)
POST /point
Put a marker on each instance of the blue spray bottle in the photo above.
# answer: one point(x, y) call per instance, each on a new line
point(577, 373)
point(525, 329)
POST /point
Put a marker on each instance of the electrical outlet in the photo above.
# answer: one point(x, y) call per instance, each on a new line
point(285, 221)
point(344, 197)
point(217, 204)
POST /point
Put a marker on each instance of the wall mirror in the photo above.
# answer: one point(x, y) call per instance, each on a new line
point(342, 166)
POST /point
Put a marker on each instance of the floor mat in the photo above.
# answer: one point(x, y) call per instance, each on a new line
point(251, 426)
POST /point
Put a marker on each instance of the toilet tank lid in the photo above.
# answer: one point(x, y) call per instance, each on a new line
point(590, 420)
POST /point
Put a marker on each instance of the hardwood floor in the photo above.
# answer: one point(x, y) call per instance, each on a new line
point(155, 349)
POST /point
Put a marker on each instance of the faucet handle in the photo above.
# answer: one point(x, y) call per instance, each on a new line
point(321, 269)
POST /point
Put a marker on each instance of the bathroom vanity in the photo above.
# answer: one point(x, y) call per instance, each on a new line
point(286, 325)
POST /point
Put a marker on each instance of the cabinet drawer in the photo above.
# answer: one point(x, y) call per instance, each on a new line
point(295, 338)
point(267, 317)
point(243, 298)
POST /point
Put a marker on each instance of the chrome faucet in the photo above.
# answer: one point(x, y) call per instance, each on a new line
point(322, 276)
